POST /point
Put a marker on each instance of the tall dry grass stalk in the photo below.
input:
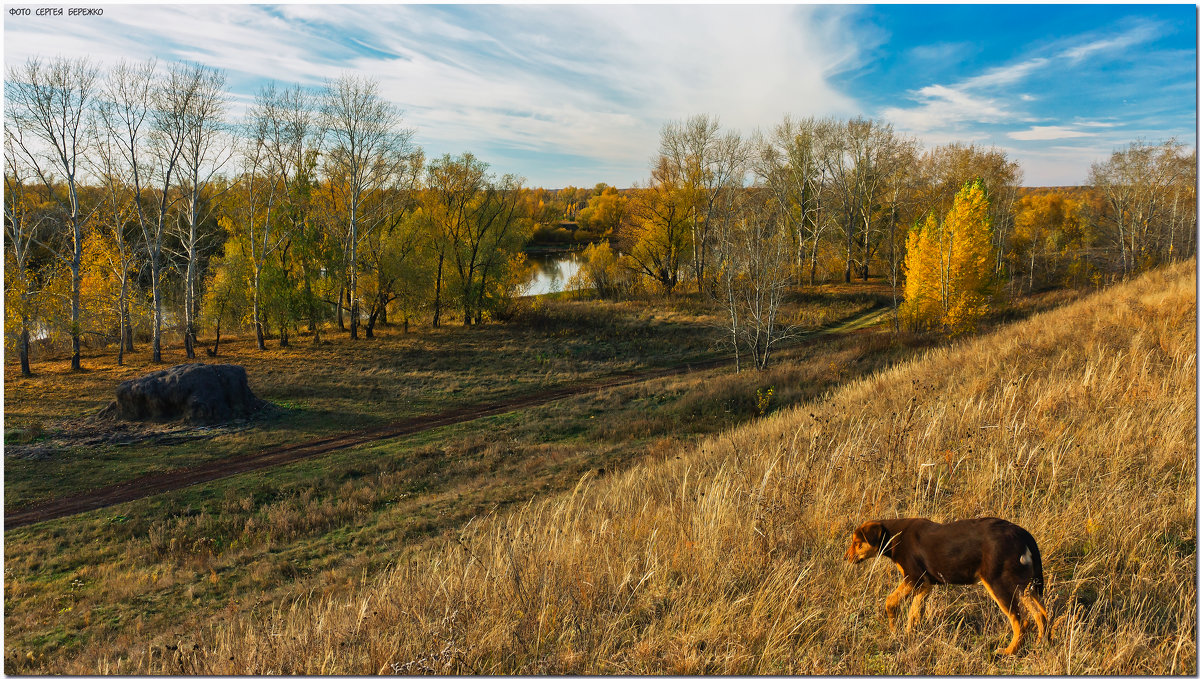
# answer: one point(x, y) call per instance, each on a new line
point(1078, 424)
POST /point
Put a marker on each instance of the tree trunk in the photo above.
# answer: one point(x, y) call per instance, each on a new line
point(24, 347)
point(812, 263)
point(437, 292)
point(312, 310)
point(156, 346)
point(340, 307)
point(849, 248)
point(866, 263)
point(257, 313)
point(217, 342)
point(353, 292)
point(371, 318)
point(127, 337)
point(121, 341)
point(479, 302)
point(189, 297)
point(76, 352)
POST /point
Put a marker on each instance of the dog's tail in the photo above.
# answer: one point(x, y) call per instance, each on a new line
point(1031, 559)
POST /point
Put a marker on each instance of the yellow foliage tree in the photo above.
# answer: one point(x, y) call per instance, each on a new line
point(948, 269)
point(659, 229)
point(1049, 230)
point(101, 298)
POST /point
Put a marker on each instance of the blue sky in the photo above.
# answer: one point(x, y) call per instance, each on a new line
point(577, 94)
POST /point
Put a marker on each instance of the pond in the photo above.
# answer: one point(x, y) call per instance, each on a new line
point(552, 272)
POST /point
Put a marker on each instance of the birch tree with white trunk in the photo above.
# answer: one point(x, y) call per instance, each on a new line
point(50, 103)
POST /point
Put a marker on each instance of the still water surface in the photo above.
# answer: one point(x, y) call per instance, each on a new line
point(552, 272)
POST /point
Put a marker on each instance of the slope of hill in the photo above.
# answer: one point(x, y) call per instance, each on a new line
point(726, 557)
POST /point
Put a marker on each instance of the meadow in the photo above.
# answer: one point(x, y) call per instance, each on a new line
point(723, 554)
point(116, 582)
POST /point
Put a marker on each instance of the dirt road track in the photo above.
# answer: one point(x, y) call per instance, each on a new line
point(153, 484)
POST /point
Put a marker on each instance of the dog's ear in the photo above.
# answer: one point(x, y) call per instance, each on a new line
point(873, 533)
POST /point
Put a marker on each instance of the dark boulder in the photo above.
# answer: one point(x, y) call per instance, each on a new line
point(196, 393)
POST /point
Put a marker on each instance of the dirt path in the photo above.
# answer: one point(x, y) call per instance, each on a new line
point(153, 484)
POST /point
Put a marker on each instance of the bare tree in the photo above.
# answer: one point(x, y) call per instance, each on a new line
point(709, 169)
point(790, 162)
point(279, 156)
point(861, 159)
point(1141, 186)
point(125, 116)
point(205, 149)
point(755, 276)
point(118, 214)
point(367, 155)
point(839, 165)
point(883, 156)
point(22, 222)
point(146, 116)
point(50, 102)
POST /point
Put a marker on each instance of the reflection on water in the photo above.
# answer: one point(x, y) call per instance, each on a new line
point(552, 273)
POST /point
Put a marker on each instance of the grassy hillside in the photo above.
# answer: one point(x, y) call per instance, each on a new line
point(726, 556)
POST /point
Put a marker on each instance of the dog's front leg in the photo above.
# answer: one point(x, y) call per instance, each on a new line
point(918, 605)
point(894, 599)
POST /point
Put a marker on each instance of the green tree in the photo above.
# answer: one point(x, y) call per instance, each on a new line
point(227, 296)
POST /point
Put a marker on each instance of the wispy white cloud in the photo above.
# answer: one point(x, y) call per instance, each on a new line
point(1048, 132)
point(511, 82)
point(1004, 75)
point(941, 107)
point(1139, 33)
point(578, 93)
point(1037, 99)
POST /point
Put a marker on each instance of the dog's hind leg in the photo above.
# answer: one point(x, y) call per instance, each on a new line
point(894, 599)
point(918, 605)
point(1005, 598)
point(1034, 605)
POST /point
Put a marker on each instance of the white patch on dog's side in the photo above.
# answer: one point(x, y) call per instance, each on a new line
point(1026, 558)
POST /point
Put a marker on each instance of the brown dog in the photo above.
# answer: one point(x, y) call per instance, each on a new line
point(1001, 555)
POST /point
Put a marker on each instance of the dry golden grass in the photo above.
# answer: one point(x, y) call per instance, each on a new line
point(1078, 424)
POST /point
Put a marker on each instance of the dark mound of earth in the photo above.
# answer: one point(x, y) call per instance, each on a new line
point(195, 393)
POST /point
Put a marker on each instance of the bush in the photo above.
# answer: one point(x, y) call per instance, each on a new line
point(600, 270)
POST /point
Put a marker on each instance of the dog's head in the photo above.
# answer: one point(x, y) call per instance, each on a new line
point(867, 541)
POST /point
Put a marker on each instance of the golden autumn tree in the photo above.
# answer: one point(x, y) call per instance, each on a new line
point(948, 270)
point(658, 234)
point(922, 286)
point(1048, 230)
point(104, 286)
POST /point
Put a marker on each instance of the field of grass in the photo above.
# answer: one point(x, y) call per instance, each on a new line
point(724, 554)
point(82, 591)
point(343, 385)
